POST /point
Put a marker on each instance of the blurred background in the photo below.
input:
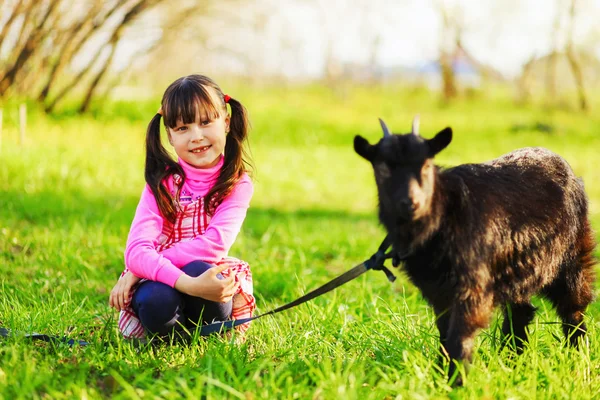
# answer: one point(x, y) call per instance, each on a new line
point(75, 54)
point(80, 80)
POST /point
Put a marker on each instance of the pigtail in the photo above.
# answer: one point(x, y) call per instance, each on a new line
point(235, 151)
point(160, 165)
point(238, 124)
point(236, 160)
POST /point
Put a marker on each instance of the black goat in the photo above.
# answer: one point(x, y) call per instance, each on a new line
point(480, 235)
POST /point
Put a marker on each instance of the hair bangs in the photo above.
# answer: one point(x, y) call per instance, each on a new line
point(187, 102)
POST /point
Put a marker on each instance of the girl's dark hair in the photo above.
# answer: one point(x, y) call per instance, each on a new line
point(184, 100)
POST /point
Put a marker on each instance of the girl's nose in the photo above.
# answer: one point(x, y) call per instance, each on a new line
point(197, 134)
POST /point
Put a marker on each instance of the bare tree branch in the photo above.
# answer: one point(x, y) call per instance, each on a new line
point(118, 78)
point(66, 50)
point(15, 13)
point(98, 24)
point(138, 8)
point(28, 49)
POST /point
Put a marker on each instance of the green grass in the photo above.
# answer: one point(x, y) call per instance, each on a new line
point(68, 195)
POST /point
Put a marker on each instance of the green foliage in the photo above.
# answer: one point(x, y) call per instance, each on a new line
point(68, 195)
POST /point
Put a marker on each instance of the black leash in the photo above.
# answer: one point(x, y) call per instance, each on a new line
point(375, 263)
point(46, 338)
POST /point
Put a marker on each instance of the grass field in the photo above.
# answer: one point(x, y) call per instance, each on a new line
point(68, 195)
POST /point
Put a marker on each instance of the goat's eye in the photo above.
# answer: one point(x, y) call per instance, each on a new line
point(382, 170)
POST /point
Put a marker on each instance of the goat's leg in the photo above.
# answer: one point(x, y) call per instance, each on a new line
point(443, 324)
point(571, 293)
point(573, 289)
point(514, 327)
point(466, 319)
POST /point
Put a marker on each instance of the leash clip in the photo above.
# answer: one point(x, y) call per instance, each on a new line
point(378, 259)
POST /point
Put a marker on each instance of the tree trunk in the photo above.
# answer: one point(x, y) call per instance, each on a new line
point(552, 60)
point(524, 82)
point(448, 50)
point(574, 62)
point(578, 75)
point(551, 64)
point(448, 77)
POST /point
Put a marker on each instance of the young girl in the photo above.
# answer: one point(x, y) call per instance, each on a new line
point(178, 274)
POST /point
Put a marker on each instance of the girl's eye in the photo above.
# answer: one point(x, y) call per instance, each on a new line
point(205, 122)
point(181, 129)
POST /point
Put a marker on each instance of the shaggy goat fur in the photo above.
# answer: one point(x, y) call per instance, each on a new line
point(480, 235)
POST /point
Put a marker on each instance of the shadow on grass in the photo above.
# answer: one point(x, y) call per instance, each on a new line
point(51, 209)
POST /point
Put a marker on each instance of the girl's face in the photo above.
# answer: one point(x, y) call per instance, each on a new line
point(201, 142)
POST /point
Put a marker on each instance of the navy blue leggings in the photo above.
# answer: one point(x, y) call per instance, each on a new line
point(162, 309)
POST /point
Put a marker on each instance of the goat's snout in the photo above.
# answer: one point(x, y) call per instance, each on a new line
point(406, 208)
point(407, 203)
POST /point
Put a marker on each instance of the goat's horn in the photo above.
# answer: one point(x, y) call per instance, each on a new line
point(415, 125)
point(386, 131)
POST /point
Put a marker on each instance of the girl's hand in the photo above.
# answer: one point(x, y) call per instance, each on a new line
point(209, 286)
point(119, 295)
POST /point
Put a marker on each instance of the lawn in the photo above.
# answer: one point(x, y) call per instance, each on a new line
point(67, 197)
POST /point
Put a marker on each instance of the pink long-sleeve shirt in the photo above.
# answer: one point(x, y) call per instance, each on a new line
point(142, 256)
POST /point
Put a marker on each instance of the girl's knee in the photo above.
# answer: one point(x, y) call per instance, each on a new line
point(196, 268)
point(156, 295)
point(158, 306)
point(206, 312)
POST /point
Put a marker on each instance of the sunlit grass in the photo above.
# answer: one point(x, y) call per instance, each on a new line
point(68, 195)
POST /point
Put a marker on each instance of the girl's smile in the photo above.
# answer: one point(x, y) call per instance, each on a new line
point(202, 149)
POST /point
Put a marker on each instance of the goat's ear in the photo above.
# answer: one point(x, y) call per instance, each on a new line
point(440, 141)
point(363, 148)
